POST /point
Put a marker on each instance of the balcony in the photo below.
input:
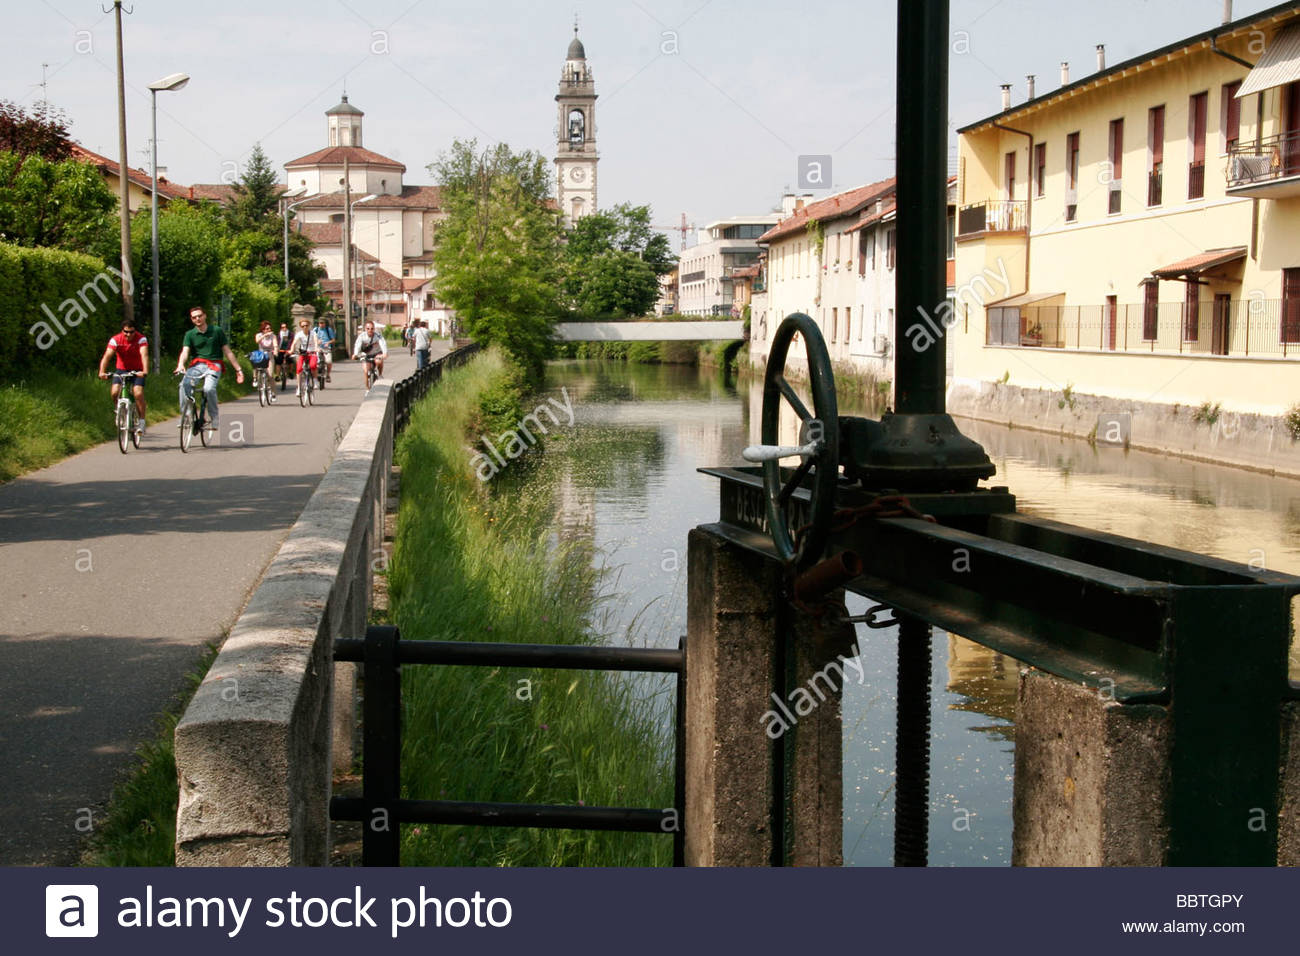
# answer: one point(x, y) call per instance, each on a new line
point(1155, 187)
point(1269, 170)
point(1000, 215)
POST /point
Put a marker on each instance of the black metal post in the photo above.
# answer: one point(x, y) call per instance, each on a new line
point(922, 167)
point(382, 715)
point(679, 764)
point(912, 744)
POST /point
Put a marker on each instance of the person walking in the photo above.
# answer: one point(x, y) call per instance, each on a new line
point(420, 340)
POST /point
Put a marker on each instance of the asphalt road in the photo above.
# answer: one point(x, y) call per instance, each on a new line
point(118, 570)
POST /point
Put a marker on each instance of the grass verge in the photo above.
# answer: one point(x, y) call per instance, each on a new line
point(139, 824)
point(48, 416)
point(480, 562)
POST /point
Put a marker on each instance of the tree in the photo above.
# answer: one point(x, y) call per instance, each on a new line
point(497, 254)
point(613, 260)
point(60, 205)
point(257, 193)
point(189, 264)
point(43, 132)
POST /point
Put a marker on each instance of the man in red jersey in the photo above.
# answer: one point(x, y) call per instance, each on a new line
point(132, 351)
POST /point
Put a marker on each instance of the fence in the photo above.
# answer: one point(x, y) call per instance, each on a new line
point(1243, 327)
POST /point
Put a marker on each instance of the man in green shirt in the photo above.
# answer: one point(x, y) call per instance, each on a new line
point(208, 345)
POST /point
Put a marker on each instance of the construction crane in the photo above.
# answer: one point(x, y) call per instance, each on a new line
point(684, 229)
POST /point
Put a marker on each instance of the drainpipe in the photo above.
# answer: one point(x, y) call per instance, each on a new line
point(1029, 193)
point(1259, 127)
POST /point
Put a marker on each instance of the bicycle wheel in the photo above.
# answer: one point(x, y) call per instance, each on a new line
point(260, 385)
point(187, 425)
point(311, 388)
point(121, 421)
point(302, 390)
point(134, 420)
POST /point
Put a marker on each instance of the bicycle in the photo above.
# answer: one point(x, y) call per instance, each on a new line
point(322, 367)
point(193, 418)
point(372, 372)
point(307, 382)
point(282, 368)
point(126, 417)
point(262, 384)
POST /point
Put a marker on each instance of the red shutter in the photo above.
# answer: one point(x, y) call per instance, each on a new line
point(1158, 136)
point(1198, 107)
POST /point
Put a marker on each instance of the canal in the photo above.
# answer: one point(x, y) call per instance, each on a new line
point(626, 482)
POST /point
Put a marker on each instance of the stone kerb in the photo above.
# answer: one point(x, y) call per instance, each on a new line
point(256, 747)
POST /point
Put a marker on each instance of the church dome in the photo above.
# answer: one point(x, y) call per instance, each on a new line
point(576, 51)
point(346, 107)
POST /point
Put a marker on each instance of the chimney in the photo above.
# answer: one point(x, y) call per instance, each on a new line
point(1030, 78)
point(1006, 96)
point(1101, 57)
point(1065, 73)
point(1227, 11)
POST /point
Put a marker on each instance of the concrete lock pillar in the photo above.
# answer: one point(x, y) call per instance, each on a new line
point(737, 732)
point(1091, 777)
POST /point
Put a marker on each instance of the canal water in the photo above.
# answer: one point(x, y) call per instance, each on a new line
point(628, 485)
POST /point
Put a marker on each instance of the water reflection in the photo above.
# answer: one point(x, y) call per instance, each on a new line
point(627, 484)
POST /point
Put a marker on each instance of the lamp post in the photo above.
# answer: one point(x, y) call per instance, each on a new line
point(290, 207)
point(347, 244)
point(173, 82)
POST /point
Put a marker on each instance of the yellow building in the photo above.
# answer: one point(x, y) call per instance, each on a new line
point(1135, 234)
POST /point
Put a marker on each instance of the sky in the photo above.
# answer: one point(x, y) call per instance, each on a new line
point(704, 105)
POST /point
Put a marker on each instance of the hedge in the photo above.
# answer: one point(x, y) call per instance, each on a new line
point(57, 310)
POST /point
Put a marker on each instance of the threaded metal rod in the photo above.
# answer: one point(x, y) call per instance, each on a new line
point(912, 743)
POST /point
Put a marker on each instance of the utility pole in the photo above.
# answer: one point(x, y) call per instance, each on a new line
point(124, 195)
point(347, 250)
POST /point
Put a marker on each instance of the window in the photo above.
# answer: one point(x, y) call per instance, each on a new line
point(1155, 155)
point(835, 321)
point(1192, 312)
point(1291, 305)
point(891, 247)
point(1196, 112)
point(1071, 177)
point(848, 324)
point(1040, 169)
point(1150, 309)
point(1230, 108)
point(1010, 175)
point(1115, 150)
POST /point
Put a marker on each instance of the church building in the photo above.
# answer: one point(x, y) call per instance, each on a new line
point(575, 151)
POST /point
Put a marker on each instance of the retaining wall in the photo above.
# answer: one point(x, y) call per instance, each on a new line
point(275, 716)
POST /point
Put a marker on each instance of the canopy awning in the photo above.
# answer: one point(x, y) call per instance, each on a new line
point(1025, 298)
point(1200, 263)
point(1279, 64)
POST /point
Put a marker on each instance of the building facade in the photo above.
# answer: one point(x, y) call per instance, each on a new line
point(704, 270)
point(1135, 234)
point(392, 224)
point(575, 151)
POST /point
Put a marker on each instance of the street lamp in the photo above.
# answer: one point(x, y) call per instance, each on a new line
point(288, 209)
point(169, 83)
point(347, 248)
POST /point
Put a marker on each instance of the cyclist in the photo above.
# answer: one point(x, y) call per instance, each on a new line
point(325, 336)
point(282, 350)
point(305, 347)
point(132, 351)
point(373, 347)
point(267, 341)
point(209, 344)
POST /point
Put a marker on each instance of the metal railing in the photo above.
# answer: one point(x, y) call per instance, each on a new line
point(382, 654)
point(1196, 180)
point(1001, 215)
point(416, 385)
point(1240, 327)
point(1276, 157)
point(1155, 188)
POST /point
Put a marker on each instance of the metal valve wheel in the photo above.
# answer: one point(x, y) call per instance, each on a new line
point(799, 539)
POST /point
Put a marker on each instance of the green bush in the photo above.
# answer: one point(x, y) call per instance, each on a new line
point(83, 300)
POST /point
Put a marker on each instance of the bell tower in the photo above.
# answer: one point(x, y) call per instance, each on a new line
point(575, 150)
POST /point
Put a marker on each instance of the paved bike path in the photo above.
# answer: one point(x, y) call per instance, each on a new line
point(117, 570)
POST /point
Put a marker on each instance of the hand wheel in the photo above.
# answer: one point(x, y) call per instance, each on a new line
point(818, 448)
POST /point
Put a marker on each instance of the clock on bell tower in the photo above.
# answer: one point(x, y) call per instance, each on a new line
point(575, 150)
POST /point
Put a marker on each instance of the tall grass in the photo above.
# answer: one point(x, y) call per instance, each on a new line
point(482, 563)
point(49, 415)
